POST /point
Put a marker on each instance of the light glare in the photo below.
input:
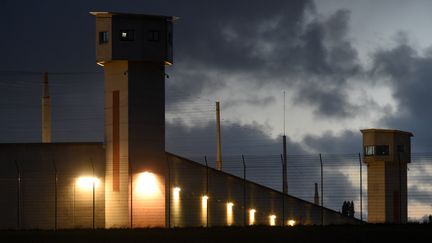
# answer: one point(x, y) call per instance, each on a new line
point(204, 200)
point(291, 222)
point(272, 220)
point(87, 182)
point(230, 215)
point(147, 184)
point(176, 193)
point(252, 216)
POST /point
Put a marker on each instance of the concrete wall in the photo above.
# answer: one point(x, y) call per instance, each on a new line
point(222, 188)
point(37, 185)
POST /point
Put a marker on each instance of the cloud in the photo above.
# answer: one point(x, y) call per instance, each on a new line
point(252, 139)
point(287, 44)
point(344, 143)
point(408, 72)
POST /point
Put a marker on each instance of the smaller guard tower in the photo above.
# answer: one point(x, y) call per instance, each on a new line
point(387, 153)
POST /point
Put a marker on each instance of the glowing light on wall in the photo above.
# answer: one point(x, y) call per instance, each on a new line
point(176, 193)
point(87, 182)
point(252, 216)
point(147, 199)
point(147, 184)
point(204, 200)
point(176, 207)
point(230, 215)
point(272, 219)
point(291, 222)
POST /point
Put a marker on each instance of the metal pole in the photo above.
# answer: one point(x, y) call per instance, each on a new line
point(283, 196)
point(218, 138)
point(400, 189)
point(55, 195)
point(94, 195)
point(207, 182)
point(131, 195)
point(18, 195)
point(361, 188)
point(322, 190)
point(284, 167)
point(168, 193)
point(244, 190)
point(73, 203)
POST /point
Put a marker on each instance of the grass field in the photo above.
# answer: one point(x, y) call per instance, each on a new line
point(340, 233)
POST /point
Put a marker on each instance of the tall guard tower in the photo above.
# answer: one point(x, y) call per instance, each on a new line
point(387, 153)
point(134, 49)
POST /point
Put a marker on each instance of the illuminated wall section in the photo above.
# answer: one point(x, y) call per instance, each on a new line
point(252, 216)
point(229, 213)
point(204, 210)
point(148, 200)
point(272, 220)
point(86, 192)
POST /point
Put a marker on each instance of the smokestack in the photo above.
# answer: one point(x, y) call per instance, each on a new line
point(218, 138)
point(46, 112)
point(316, 197)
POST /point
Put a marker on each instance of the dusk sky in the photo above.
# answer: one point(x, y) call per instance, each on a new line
point(344, 65)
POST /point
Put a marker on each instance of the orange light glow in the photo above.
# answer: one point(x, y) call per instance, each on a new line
point(272, 220)
point(147, 184)
point(252, 216)
point(230, 214)
point(87, 182)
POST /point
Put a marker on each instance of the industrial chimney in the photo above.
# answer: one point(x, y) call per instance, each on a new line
point(46, 112)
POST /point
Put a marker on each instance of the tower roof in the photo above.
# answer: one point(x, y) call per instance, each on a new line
point(377, 130)
point(110, 14)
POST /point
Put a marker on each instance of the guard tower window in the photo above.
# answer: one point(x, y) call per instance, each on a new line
point(382, 150)
point(103, 37)
point(369, 150)
point(127, 35)
point(153, 35)
point(400, 148)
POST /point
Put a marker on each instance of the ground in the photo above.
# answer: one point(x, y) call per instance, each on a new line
point(341, 233)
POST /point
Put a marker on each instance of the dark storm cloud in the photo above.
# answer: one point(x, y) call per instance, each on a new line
point(314, 57)
point(409, 73)
point(344, 143)
point(252, 100)
point(419, 195)
point(237, 139)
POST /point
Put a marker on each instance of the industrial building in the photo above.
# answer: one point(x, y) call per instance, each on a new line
point(130, 181)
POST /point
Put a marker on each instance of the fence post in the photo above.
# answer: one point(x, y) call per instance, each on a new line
point(207, 182)
point(400, 189)
point(94, 195)
point(168, 193)
point(361, 187)
point(55, 195)
point(322, 190)
point(244, 190)
point(131, 195)
point(18, 195)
